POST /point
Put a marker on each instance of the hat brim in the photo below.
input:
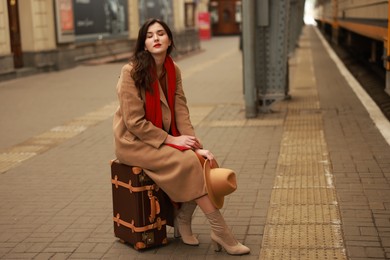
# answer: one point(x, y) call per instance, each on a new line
point(217, 201)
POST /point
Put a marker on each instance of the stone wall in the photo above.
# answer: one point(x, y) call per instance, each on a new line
point(69, 56)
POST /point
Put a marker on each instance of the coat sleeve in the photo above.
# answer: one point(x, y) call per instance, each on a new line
point(182, 114)
point(132, 109)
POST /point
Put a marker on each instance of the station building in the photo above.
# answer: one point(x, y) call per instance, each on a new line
point(45, 35)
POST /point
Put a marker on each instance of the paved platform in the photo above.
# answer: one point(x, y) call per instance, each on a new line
point(313, 175)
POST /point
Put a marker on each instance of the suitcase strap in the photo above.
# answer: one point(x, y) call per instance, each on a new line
point(154, 204)
point(131, 188)
point(158, 224)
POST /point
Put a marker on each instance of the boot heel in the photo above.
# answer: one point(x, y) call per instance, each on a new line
point(222, 236)
point(217, 247)
point(176, 232)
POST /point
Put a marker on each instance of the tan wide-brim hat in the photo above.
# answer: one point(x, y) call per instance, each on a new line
point(219, 183)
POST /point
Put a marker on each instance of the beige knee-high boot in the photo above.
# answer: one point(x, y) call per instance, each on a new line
point(183, 223)
point(221, 235)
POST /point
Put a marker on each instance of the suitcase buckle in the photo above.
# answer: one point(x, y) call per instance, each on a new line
point(148, 238)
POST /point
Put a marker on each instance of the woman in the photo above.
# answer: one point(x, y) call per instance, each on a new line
point(152, 130)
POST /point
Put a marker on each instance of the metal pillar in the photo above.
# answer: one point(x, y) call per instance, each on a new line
point(270, 32)
point(387, 49)
point(295, 23)
point(271, 60)
point(248, 28)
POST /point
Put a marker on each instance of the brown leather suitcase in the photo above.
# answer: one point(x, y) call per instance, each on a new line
point(141, 209)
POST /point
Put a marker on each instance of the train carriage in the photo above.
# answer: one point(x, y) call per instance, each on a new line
point(360, 25)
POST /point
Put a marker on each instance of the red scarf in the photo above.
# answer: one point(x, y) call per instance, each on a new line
point(153, 111)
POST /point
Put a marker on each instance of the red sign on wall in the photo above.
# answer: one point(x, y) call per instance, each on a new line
point(64, 20)
point(66, 16)
point(204, 26)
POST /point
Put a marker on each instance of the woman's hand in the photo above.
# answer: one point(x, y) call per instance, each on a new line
point(187, 141)
point(207, 154)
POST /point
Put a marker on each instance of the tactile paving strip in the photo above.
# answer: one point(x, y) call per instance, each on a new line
point(303, 254)
point(300, 181)
point(305, 236)
point(303, 196)
point(303, 220)
point(303, 214)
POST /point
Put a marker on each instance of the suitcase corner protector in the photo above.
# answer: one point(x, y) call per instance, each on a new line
point(139, 245)
point(112, 161)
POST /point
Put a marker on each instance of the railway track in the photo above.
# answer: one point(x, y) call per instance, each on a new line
point(370, 76)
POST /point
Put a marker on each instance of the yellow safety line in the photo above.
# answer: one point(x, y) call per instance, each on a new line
point(303, 220)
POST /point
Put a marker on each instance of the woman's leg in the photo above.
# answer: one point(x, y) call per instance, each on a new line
point(183, 223)
point(220, 232)
point(205, 204)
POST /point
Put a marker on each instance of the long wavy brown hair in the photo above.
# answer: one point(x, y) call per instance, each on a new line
point(143, 62)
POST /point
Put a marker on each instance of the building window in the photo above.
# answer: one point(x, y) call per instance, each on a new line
point(189, 14)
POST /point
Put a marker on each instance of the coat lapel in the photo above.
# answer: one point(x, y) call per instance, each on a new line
point(162, 95)
point(166, 111)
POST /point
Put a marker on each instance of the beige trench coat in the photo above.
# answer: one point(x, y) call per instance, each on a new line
point(139, 143)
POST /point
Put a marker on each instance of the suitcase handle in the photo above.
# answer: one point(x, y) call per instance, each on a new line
point(154, 206)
